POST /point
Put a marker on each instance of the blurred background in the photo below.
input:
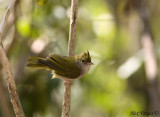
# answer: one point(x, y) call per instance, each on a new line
point(122, 37)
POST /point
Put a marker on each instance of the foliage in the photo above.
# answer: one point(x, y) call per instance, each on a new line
point(107, 29)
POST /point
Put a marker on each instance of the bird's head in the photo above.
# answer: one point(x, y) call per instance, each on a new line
point(84, 58)
point(84, 62)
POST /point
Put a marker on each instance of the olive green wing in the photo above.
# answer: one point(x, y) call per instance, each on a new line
point(64, 66)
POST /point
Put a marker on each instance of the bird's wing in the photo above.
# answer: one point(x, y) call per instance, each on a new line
point(64, 66)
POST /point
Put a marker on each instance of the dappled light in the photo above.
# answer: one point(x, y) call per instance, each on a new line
point(122, 38)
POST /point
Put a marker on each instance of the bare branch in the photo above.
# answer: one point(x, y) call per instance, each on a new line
point(151, 70)
point(6, 110)
point(6, 15)
point(11, 84)
point(66, 100)
point(151, 67)
point(71, 50)
point(8, 72)
point(73, 23)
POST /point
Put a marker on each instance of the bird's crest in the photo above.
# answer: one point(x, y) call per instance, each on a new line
point(85, 56)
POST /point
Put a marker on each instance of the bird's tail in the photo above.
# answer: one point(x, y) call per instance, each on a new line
point(37, 62)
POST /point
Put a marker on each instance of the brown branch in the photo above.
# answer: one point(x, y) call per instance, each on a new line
point(7, 69)
point(66, 100)
point(71, 50)
point(6, 15)
point(73, 23)
point(5, 106)
point(151, 66)
point(11, 84)
point(151, 70)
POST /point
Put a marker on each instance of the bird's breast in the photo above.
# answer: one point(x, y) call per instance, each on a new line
point(84, 69)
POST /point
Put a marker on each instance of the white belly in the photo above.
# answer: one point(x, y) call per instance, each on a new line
point(84, 69)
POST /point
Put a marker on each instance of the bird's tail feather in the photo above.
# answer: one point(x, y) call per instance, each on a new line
point(36, 62)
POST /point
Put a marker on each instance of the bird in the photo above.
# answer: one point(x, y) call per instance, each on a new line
point(66, 68)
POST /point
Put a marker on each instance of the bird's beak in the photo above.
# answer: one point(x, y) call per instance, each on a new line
point(90, 63)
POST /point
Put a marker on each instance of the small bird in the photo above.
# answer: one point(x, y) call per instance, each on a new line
point(63, 67)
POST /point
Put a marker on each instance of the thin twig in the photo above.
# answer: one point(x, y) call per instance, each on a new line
point(11, 84)
point(73, 23)
point(150, 58)
point(6, 15)
point(71, 50)
point(151, 70)
point(7, 69)
point(6, 110)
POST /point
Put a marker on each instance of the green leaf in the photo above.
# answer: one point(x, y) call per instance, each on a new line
point(41, 2)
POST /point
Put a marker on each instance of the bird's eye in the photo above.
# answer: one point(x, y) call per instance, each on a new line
point(83, 61)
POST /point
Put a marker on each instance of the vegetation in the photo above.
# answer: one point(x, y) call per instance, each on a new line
point(115, 33)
